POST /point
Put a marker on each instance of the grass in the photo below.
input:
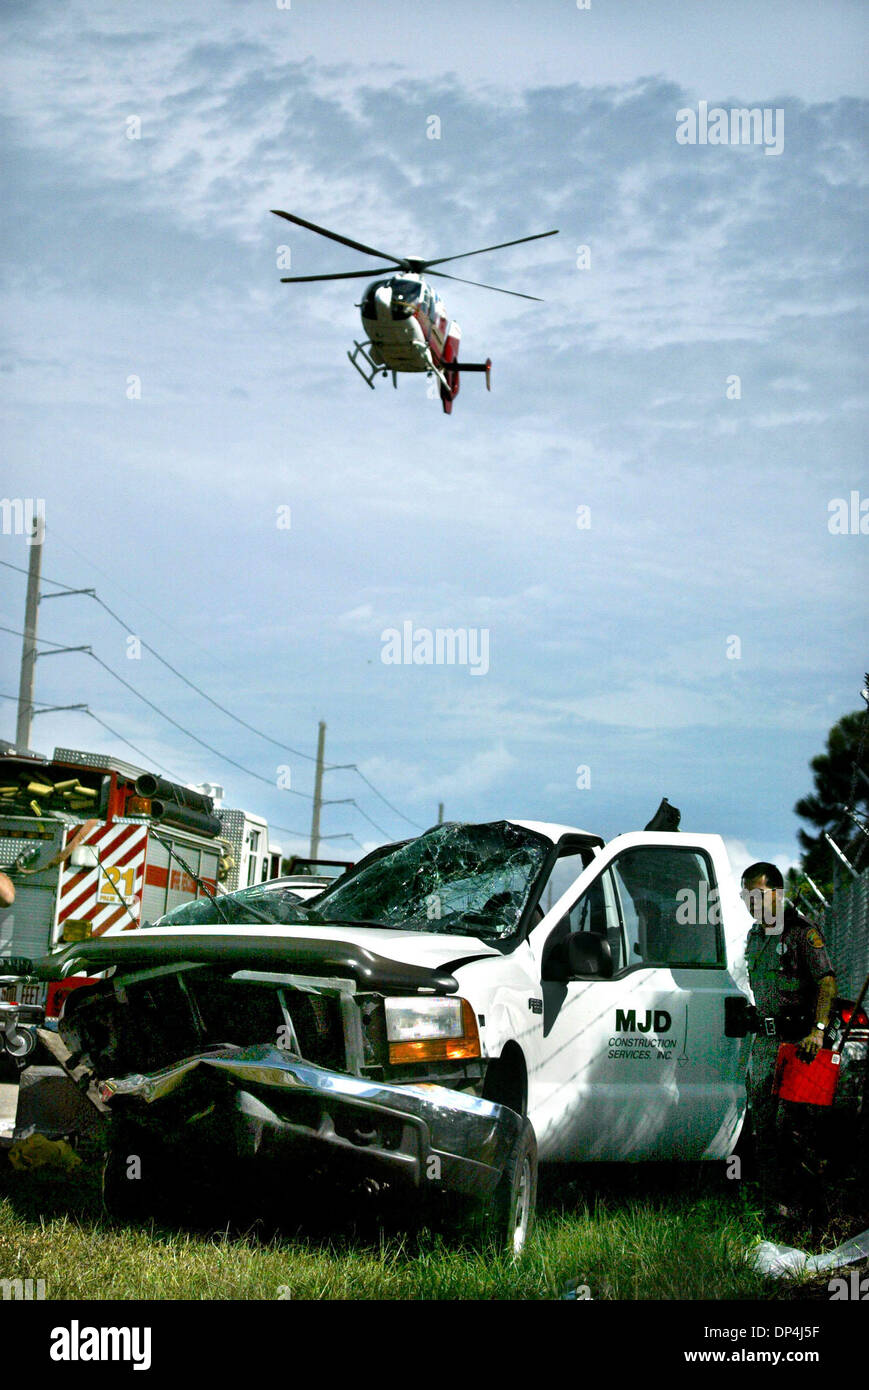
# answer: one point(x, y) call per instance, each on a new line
point(638, 1232)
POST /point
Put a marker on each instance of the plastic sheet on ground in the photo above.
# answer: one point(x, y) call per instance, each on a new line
point(36, 1151)
point(781, 1261)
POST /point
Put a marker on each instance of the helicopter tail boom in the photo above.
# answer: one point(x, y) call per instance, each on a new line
point(476, 367)
point(450, 374)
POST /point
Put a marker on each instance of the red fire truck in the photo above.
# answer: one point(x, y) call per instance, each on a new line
point(91, 842)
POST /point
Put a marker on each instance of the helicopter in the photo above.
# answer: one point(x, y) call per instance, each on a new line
point(404, 318)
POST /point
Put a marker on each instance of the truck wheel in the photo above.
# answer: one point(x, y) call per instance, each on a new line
point(510, 1216)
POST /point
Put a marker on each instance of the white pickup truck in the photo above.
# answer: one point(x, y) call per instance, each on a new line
point(449, 1011)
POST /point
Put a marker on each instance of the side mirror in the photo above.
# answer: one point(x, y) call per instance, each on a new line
point(582, 955)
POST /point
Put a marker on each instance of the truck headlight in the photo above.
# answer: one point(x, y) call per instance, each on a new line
point(425, 1030)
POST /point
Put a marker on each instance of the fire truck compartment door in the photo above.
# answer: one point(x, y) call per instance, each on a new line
point(26, 927)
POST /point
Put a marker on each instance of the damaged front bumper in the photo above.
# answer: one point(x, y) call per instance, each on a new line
point(422, 1136)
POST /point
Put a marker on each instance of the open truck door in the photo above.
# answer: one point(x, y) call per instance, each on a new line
point(637, 1057)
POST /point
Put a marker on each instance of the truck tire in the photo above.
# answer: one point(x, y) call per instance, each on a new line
point(509, 1215)
point(506, 1080)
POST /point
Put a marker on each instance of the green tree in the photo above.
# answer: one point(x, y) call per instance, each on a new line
point(841, 779)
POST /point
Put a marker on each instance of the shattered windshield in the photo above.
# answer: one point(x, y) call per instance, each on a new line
point(471, 879)
point(258, 904)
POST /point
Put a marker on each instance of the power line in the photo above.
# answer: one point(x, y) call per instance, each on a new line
point(305, 834)
point(44, 578)
point(201, 741)
point(370, 784)
point(173, 776)
point(285, 747)
point(85, 709)
point(59, 539)
point(288, 830)
point(300, 834)
point(369, 819)
point(223, 709)
point(225, 757)
point(163, 715)
point(297, 753)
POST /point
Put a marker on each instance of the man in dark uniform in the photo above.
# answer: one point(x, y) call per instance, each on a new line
point(794, 989)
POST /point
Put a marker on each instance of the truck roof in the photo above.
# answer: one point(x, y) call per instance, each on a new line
point(552, 830)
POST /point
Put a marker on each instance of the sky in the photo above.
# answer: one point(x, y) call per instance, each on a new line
point(640, 517)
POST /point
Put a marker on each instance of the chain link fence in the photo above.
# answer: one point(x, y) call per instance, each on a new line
point(846, 930)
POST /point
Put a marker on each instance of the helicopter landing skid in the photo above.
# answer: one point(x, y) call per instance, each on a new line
point(361, 349)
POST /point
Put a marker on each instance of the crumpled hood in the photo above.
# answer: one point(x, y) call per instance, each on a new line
point(396, 962)
point(431, 949)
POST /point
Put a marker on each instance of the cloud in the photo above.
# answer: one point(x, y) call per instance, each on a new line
point(778, 419)
point(789, 383)
point(157, 257)
point(481, 772)
point(741, 856)
point(358, 620)
point(472, 775)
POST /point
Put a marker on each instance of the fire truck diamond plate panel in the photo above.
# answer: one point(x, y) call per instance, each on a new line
point(13, 849)
point(98, 760)
point(232, 822)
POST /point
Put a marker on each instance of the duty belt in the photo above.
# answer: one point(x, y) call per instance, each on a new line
point(780, 1025)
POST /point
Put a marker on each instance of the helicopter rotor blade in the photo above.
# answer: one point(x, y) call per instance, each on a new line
point(536, 237)
point(334, 236)
point(339, 275)
point(497, 288)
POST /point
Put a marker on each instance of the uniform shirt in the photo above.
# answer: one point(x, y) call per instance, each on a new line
point(785, 970)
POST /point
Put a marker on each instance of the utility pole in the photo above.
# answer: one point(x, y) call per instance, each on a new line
point(318, 790)
point(440, 813)
point(28, 649)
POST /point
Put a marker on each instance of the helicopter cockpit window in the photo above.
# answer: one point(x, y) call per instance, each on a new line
point(406, 290)
point(405, 294)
